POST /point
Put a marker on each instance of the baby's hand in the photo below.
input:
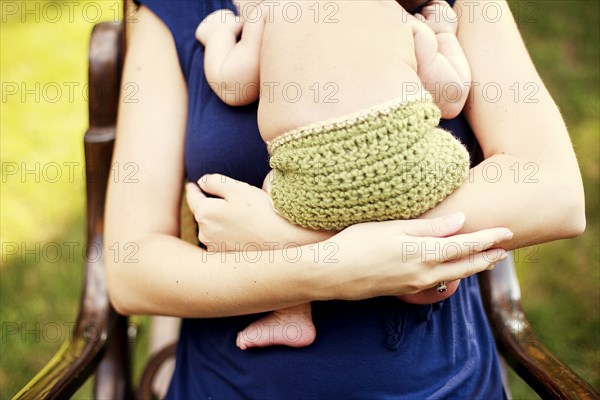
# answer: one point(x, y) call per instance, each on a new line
point(441, 61)
point(440, 17)
point(220, 20)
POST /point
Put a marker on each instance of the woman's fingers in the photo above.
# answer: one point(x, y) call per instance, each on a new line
point(467, 266)
point(197, 201)
point(219, 185)
point(459, 246)
point(193, 195)
point(439, 250)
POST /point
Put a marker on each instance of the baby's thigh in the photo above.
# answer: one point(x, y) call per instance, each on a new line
point(266, 186)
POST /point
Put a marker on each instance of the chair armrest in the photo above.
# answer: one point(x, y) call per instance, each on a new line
point(150, 372)
point(77, 358)
point(69, 368)
point(517, 342)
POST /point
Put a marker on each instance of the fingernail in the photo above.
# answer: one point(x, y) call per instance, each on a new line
point(491, 267)
point(503, 256)
point(202, 179)
point(507, 235)
point(456, 219)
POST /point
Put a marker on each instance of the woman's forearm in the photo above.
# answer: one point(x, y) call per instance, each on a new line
point(526, 196)
point(167, 276)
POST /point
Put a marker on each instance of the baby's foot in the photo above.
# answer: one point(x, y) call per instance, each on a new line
point(220, 20)
point(291, 326)
point(430, 296)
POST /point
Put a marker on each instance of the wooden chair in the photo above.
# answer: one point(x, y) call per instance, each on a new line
point(108, 353)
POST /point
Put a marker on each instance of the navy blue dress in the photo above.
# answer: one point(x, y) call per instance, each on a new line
point(380, 348)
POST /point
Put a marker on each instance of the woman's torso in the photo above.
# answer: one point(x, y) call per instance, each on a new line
point(378, 349)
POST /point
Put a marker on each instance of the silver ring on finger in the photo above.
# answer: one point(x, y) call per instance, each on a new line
point(441, 287)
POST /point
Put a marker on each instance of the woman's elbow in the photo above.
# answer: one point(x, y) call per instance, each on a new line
point(115, 292)
point(120, 306)
point(578, 222)
point(573, 211)
point(120, 290)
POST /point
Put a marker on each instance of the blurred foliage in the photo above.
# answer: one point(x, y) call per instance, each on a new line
point(43, 57)
point(560, 282)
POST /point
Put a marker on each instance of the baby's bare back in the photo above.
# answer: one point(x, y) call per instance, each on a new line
point(318, 64)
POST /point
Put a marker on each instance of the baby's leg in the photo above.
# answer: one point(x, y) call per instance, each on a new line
point(266, 186)
point(292, 326)
point(441, 63)
point(231, 68)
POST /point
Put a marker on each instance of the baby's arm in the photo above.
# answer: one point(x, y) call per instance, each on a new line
point(441, 63)
point(231, 67)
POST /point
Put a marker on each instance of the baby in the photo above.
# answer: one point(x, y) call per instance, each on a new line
point(347, 114)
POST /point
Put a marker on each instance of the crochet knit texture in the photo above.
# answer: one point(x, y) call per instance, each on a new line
point(387, 162)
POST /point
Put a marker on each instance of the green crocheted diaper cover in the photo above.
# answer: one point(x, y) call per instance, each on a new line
point(387, 162)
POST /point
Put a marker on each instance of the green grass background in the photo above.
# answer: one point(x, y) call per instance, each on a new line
point(561, 289)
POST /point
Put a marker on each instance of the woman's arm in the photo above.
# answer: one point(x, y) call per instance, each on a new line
point(166, 275)
point(170, 277)
point(530, 180)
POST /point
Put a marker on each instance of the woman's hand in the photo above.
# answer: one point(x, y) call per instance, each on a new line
point(403, 257)
point(364, 260)
point(242, 214)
